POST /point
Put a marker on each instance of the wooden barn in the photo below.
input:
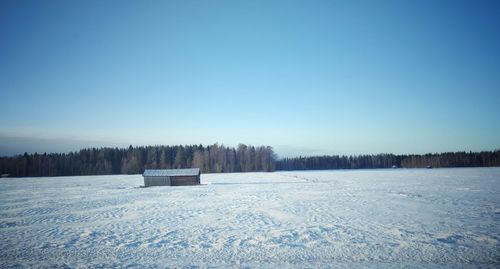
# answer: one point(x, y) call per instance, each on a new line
point(171, 177)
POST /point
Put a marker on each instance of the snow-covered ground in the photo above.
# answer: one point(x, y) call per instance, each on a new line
point(355, 218)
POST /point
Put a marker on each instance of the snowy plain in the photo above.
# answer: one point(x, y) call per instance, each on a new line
point(389, 218)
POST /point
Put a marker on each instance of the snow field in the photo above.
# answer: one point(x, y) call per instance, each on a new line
point(444, 218)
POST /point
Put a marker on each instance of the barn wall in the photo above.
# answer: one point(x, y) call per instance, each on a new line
point(156, 181)
point(185, 180)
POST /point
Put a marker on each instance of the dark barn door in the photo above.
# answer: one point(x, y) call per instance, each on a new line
point(184, 180)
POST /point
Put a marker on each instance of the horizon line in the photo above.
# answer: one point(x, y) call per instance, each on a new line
point(235, 147)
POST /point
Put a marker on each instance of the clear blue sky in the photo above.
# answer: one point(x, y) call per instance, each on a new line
point(306, 77)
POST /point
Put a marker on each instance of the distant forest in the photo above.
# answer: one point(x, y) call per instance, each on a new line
point(219, 159)
point(448, 159)
point(133, 160)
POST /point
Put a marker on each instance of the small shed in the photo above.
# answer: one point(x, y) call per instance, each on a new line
point(171, 177)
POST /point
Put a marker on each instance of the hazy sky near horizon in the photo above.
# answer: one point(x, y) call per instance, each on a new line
point(306, 77)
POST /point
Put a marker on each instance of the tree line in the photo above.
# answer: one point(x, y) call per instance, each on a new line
point(133, 160)
point(219, 159)
point(447, 159)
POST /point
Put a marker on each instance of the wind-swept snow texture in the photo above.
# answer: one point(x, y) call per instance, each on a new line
point(446, 218)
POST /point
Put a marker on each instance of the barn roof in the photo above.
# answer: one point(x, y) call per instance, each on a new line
point(171, 172)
